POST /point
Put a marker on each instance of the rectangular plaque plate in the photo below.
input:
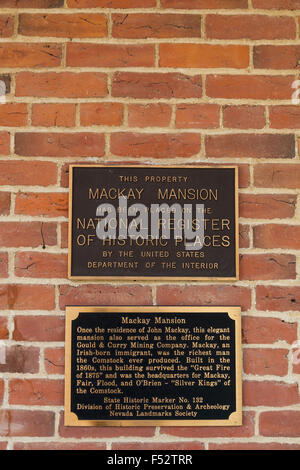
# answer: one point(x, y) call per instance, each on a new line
point(153, 366)
point(149, 257)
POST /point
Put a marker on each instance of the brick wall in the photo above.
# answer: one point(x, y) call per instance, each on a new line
point(150, 81)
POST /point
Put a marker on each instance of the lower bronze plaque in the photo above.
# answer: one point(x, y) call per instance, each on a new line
point(153, 366)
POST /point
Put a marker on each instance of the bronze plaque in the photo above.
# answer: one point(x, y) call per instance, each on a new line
point(153, 366)
point(149, 223)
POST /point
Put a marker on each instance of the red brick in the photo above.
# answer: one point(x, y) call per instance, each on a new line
point(156, 85)
point(13, 114)
point(267, 206)
point(251, 145)
point(257, 87)
point(155, 145)
point(204, 116)
point(111, 3)
point(3, 328)
point(42, 328)
point(263, 361)
point(277, 4)
point(269, 393)
point(4, 203)
point(276, 57)
point(54, 360)
point(3, 265)
point(152, 25)
point(277, 175)
point(189, 445)
point(204, 295)
point(284, 117)
point(246, 430)
point(21, 359)
point(244, 236)
point(277, 236)
point(18, 55)
point(267, 267)
point(26, 297)
point(101, 114)
point(31, 234)
point(204, 56)
point(4, 143)
point(205, 4)
point(149, 115)
point(61, 84)
point(244, 117)
point(64, 235)
point(40, 265)
point(1, 391)
point(36, 392)
point(278, 298)
point(265, 330)
point(79, 25)
point(283, 423)
point(41, 144)
point(32, 3)
point(110, 55)
point(47, 446)
point(3, 445)
point(254, 446)
point(53, 114)
point(103, 432)
point(243, 175)
point(46, 204)
point(6, 26)
point(27, 423)
point(102, 294)
point(20, 172)
point(250, 27)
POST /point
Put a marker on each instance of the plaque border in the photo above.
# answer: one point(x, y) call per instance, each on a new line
point(71, 419)
point(153, 278)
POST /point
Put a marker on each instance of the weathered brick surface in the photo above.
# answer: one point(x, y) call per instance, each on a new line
point(289, 423)
point(26, 296)
point(53, 115)
point(263, 361)
point(6, 26)
point(204, 56)
point(30, 234)
point(74, 25)
point(156, 85)
point(51, 328)
point(110, 55)
point(261, 330)
point(19, 55)
point(37, 392)
point(195, 82)
point(265, 206)
point(59, 144)
point(142, 26)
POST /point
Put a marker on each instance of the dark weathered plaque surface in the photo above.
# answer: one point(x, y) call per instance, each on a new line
point(148, 259)
point(148, 366)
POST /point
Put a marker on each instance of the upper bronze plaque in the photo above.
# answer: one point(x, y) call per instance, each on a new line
point(150, 223)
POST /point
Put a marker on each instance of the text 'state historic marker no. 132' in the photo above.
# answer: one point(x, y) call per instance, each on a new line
point(153, 366)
